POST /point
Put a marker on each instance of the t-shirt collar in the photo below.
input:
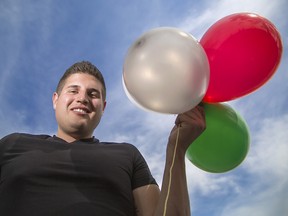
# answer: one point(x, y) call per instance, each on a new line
point(86, 140)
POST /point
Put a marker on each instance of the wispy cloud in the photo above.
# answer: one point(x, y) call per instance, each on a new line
point(21, 22)
point(265, 170)
point(198, 24)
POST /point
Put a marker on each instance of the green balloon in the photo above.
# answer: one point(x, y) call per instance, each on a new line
point(225, 142)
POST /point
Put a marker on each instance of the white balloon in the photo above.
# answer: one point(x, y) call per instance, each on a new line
point(166, 70)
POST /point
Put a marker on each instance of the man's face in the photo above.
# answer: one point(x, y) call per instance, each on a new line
point(79, 106)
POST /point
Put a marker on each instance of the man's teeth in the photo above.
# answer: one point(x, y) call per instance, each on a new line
point(80, 110)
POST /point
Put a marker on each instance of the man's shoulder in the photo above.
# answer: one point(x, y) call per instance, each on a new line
point(16, 136)
point(122, 146)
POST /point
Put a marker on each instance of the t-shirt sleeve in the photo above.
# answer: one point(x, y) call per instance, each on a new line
point(141, 173)
point(4, 144)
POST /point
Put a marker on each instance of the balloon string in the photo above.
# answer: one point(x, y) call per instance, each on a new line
point(170, 173)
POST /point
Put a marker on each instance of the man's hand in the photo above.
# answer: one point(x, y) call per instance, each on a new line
point(190, 125)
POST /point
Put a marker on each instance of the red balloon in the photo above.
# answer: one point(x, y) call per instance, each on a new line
point(244, 51)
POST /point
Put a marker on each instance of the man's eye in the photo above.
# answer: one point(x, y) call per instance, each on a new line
point(72, 91)
point(95, 95)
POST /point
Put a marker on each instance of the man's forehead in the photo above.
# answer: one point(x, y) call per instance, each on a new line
point(82, 80)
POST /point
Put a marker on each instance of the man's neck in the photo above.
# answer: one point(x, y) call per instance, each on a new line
point(71, 137)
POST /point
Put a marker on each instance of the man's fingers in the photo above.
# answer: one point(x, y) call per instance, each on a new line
point(196, 114)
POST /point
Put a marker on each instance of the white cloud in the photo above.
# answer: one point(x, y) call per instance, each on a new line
point(198, 24)
point(15, 16)
point(269, 149)
point(208, 184)
point(16, 19)
point(266, 193)
point(9, 17)
point(9, 126)
point(272, 201)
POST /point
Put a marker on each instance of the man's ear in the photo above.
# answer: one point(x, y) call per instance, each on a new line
point(55, 99)
point(104, 106)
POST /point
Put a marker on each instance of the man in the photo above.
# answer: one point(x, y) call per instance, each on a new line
point(75, 174)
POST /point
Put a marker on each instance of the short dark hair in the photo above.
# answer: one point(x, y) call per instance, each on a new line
point(85, 67)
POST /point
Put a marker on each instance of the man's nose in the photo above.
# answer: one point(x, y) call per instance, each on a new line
point(82, 98)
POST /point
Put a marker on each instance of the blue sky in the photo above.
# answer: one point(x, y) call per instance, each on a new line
point(40, 39)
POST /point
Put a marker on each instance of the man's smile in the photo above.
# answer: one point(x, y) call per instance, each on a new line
point(81, 110)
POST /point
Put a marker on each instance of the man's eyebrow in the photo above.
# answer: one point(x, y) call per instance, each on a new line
point(73, 86)
point(94, 90)
point(89, 89)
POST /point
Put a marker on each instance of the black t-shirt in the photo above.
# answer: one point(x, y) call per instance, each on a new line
point(46, 176)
